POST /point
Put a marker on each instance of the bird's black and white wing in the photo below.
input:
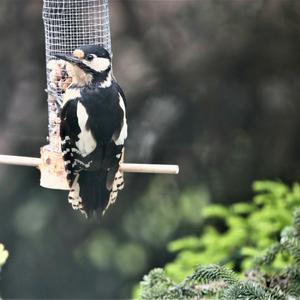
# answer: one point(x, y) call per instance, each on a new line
point(69, 132)
point(119, 138)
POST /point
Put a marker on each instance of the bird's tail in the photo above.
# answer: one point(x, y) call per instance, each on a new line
point(89, 192)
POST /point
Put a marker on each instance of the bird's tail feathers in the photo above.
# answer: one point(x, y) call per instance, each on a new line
point(89, 193)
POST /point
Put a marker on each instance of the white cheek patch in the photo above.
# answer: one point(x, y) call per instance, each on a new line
point(98, 64)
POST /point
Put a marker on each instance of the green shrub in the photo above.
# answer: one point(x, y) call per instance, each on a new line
point(218, 282)
point(250, 229)
point(260, 242)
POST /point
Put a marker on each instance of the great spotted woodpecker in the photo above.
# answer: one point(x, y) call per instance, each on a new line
point(93, 130)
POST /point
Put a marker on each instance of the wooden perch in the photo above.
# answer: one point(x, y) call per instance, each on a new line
point(20, 160)
point(52, 168)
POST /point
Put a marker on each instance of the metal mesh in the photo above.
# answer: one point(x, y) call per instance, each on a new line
point(68, 25)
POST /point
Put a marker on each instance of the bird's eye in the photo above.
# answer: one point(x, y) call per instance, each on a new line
point(90, 57)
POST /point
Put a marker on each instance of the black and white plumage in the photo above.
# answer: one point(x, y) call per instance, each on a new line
point(93, 130)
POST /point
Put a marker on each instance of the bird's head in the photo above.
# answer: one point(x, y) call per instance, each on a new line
point(88, 64)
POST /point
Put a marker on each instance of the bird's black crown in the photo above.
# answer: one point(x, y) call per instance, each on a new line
point(99, 51)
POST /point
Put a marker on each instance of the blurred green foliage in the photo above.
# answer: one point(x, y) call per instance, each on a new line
point(248, 229)
point(163, 209)
point(153, 221)
point(268, 257)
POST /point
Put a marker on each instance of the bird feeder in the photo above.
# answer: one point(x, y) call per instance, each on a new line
point(69, 24)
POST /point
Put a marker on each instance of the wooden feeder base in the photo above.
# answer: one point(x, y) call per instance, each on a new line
point(53, 175)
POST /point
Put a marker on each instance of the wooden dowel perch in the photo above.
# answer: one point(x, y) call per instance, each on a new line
point(20, 160)
point(149, 168)
point(52, 169)
point(125, 167)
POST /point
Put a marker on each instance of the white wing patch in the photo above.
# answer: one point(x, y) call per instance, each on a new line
point(123, 133)
point(86, 143)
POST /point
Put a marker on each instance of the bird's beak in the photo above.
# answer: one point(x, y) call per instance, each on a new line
point(69, 58)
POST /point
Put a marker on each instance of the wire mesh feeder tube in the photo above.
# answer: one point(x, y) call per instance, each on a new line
point(68, 24)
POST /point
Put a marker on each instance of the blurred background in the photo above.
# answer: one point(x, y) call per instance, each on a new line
point(212, 85)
